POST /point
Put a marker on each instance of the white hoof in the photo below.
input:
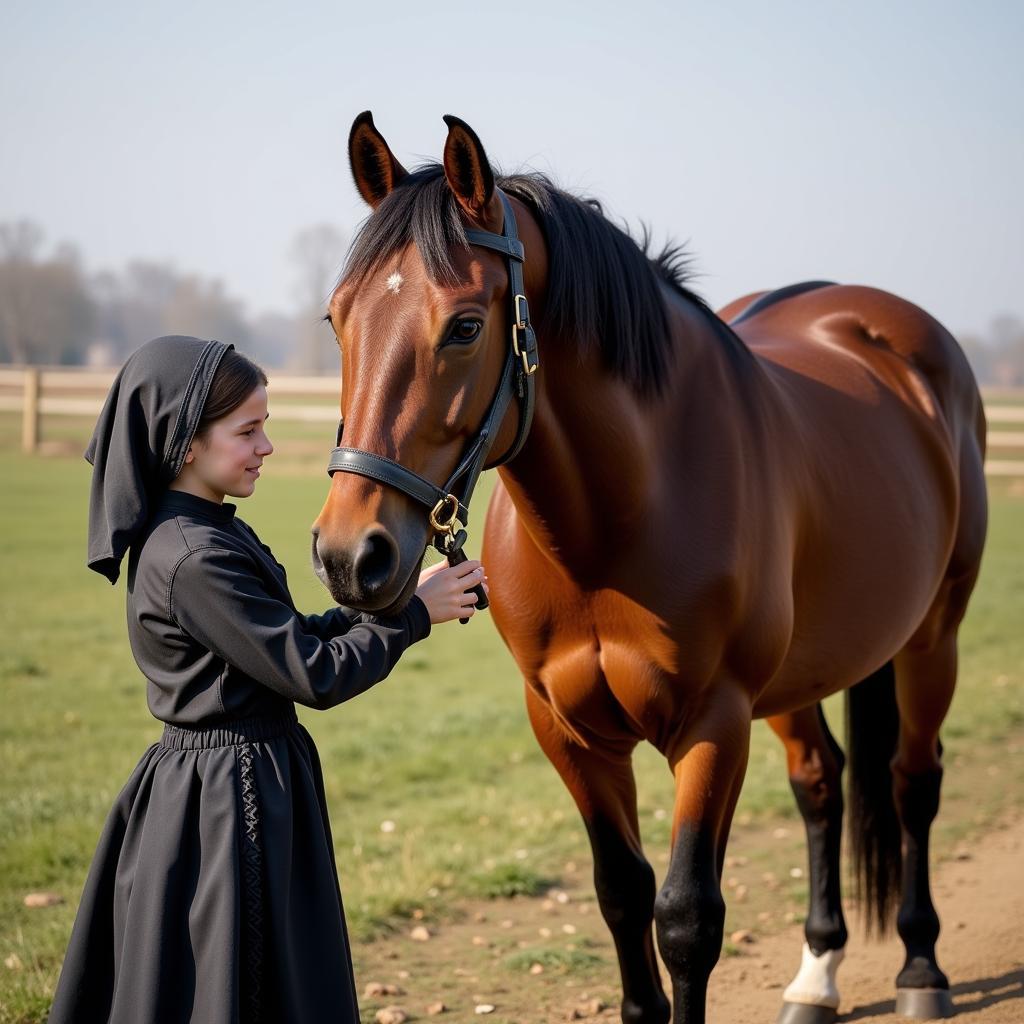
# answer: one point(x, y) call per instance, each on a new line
point(815, 982)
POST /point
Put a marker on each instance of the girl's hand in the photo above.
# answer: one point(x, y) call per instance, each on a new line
point(432, 570)
point(446, 590)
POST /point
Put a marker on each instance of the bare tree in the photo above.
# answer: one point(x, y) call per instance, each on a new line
point(1007, 335)
point(46, 313)
point(979, 355)
point(203, 309)
point(150, 299)
point(317, 253)
point(272, 338)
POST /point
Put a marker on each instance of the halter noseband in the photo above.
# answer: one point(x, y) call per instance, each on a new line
point(449, 505)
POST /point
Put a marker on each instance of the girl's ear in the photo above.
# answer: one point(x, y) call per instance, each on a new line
point(469, 175)
point(374, 167)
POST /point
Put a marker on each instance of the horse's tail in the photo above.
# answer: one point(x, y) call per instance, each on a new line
point(872, 728)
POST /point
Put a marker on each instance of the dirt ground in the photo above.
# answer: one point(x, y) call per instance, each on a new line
point(547, 960)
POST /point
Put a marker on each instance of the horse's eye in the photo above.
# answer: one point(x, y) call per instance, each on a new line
point(464, 330)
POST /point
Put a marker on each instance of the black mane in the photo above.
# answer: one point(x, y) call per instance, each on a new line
point(603, 285)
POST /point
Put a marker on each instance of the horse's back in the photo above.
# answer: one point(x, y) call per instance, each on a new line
point(887, 353)
point(755, 303)
point(821, 330)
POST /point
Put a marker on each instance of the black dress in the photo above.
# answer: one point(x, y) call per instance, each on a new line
point(213, 895)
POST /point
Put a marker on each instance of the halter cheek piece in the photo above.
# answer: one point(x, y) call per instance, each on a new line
point(449, 505)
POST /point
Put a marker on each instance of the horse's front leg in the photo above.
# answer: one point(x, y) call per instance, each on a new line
point(708, 759)
point(601, 782)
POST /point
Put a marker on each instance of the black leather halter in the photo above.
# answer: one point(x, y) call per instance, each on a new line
point(449, 505)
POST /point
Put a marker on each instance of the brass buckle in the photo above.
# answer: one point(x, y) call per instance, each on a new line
point(445, 526)
point(520, 323)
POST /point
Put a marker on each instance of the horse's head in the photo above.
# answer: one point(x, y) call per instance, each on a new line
point(423, 324)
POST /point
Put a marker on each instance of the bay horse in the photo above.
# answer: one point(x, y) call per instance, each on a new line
point(708, 519)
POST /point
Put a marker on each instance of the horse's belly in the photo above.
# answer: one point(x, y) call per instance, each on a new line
point(854, 609)
point(873, 550)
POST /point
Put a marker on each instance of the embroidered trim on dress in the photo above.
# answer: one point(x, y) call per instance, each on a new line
point(252, 885)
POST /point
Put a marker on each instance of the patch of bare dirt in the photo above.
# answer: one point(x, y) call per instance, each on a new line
point(550, 959)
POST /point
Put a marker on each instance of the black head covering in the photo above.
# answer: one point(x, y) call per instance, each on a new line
point(142, 437)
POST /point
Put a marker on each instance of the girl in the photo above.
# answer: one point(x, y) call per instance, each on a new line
point(213, 895)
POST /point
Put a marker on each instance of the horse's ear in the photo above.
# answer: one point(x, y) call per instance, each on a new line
point(469, 174)
point(374, 167)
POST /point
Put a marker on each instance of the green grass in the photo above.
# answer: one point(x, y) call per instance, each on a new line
point(505, 881)
point(442, 748)
point(555, 961)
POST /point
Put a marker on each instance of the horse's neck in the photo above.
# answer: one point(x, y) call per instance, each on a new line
point(596, 455)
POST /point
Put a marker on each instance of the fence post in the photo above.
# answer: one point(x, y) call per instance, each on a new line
point(30, 411)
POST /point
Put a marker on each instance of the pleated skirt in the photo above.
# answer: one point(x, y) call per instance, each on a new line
point(213, 896)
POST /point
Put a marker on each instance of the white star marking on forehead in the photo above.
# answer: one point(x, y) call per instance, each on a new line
point(394, 282)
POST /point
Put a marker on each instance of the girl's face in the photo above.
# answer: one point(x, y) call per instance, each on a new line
point(227, 460)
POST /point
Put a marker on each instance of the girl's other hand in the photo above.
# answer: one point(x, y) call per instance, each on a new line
point(447, 590)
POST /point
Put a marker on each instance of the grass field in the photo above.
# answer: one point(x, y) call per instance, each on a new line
point(442, 749)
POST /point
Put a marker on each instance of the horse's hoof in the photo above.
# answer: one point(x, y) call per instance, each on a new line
point(924, 1003)
point(805, 1013)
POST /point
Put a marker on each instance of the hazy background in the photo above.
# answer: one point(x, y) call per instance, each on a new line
point(182, 168)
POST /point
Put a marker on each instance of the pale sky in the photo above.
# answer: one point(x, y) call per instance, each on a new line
point(874, 142)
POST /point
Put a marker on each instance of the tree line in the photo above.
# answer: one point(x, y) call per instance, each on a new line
point(53, 312)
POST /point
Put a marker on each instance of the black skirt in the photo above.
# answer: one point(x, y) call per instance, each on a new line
point(213, 895)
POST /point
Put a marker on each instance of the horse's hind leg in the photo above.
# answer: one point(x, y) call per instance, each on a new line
point(602, 784)
point(815, 763)
point(924, 688)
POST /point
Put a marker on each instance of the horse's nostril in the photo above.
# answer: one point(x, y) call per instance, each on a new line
point(318, 564)
point(374, 562)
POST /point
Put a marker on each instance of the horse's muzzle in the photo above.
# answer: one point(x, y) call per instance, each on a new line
point(364, 577)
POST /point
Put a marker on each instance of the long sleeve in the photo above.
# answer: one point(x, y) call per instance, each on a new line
point(216, 596)
point(333, 622)
point(339, 620)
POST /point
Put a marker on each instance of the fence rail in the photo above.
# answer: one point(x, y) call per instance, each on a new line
point(38, 391)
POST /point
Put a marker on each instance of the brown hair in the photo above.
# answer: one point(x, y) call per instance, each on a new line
point(235, 380)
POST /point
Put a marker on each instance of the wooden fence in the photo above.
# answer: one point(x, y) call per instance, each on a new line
point(38, 391)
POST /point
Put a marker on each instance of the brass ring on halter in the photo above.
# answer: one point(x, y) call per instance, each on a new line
point(437, 523)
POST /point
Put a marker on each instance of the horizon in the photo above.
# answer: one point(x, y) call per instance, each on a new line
point(873, 146)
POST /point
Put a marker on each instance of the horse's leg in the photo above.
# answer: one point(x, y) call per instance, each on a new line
point(602, 784)
point(815, 763)
point(708, 760)
point(924, 689)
